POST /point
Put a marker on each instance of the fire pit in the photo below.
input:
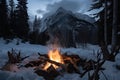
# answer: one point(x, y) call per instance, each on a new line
point(54, 63)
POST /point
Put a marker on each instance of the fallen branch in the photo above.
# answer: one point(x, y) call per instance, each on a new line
point(15, 57)
point(110, 56)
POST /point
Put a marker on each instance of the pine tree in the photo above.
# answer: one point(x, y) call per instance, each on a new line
point(97, 4)
point(22, 27)
point(118, 30)
point(36, 27)
point(4, 29)
point(105, 21)
point(115, 24)
point(111, 25)
point(109, 20)
point(36, 24)
point(12, 17)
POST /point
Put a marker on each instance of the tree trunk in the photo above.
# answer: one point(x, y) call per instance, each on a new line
point(114, 29)
point(105, 23)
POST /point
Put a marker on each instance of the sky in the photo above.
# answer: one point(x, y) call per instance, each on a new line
point(41, 7)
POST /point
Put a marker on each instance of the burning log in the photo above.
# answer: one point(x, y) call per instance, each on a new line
point(72, 63)
point(63, 66)
point(34, 63)
point(50, 74)
point(43, 60)
point(42, 55)
point(54, 63)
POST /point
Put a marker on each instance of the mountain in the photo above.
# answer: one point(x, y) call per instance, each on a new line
point(50, 19)
point(85, 17)
point(67, 29)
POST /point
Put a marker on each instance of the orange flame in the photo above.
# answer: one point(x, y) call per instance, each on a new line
point(54, 55)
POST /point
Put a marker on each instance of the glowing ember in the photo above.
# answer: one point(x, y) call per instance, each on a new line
point(54, 55)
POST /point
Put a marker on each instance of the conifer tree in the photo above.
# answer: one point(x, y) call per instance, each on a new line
point(12, 17)
point(36, 24)
point(105, 19)
point(4, 29)
point(22, 27)
point(115, 24)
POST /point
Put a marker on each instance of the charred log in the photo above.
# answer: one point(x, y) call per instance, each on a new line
point(50, 74)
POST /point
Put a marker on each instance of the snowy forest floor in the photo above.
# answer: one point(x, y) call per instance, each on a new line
point(111, 72)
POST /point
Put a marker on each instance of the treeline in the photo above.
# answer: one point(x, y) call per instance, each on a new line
point(14, 22)
point(36, 37)
point(14, 19)
point(108, 23)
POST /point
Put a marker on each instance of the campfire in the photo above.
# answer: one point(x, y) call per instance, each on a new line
point(51, 65)
point(54, 55)
point(54, 63)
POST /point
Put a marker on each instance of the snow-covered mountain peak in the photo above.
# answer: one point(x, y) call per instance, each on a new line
point(64, 16)
point(85, 17)
point(60, 9)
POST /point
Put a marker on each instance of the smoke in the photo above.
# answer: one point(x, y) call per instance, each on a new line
point(40, 11)
point(73, 5)
point(42, 7)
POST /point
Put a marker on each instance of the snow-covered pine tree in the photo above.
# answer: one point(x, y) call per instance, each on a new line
point(97, 4)
point(105, 19)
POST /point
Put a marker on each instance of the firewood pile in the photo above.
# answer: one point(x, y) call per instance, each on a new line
point(72, 64)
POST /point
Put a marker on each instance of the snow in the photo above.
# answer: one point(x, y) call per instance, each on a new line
point(111, 71)
point(68, 77)
point(85, 17)
point(31, 50)
point(20, 75)
point(83, 51)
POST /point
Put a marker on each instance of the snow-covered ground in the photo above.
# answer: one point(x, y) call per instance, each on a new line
point(31, 50)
